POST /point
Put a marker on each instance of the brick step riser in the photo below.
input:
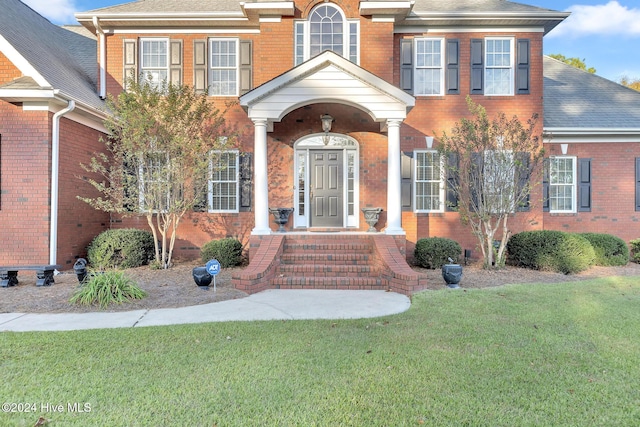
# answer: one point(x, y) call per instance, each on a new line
point(329, 282)
point(330, 259)
point(333, 270)
point(328, 248)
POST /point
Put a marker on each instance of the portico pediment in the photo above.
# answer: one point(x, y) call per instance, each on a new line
point(327, 78)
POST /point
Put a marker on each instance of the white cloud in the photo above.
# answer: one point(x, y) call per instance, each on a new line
point(56, 11)
point(604, 19)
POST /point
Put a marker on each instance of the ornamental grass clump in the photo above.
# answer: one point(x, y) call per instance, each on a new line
point(103, 289)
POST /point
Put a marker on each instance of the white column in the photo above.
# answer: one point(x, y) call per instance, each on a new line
point(394, 179)
point(261, 182)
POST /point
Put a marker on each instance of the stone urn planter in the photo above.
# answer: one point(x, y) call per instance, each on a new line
point(452, 274)
point(281, 217)
point(202, 277)
point(371, 216)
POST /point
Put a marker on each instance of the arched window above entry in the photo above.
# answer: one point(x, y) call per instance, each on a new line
point(326, 29)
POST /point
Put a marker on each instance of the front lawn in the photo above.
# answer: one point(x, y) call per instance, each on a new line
point(522, 355)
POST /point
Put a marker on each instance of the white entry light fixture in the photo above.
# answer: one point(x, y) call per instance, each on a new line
point(429, 140)
point(327, 121)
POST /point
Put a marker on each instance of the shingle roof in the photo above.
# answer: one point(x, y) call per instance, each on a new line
point(65, 59)
point(574, 98)
point(171, 6)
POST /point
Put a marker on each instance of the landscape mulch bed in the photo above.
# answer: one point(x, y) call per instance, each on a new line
point(175, 287)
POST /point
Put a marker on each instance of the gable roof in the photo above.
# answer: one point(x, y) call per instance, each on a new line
point(55, 59)
point(327, 77)
point(576, 101)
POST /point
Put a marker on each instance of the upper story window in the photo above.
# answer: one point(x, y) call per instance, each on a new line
point(223, 63)
point(326, 29)
point(499, 72)
point(154, 60)
point(429, 72)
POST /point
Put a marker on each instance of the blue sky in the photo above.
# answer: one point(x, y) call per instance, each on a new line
point(604, 33)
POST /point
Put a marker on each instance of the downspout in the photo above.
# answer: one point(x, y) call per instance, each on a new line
point(102, 90)
point(55, 167)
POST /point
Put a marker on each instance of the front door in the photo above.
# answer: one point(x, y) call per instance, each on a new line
point(326, 194)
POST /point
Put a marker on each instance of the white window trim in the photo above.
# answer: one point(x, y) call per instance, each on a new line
point(346, 31)
point(141, 59)
point(511, 66)
point(488, 156)
point(441, 193)
point(211, 68)
point(441, 67)
point(210, 184)
point(141, 183)
point(574, 185)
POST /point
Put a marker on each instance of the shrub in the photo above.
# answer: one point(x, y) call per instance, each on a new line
point(635, 250)
point(121, 248)
point(550, 250)
point(111, 287)
point(227, 251)
point(434, 252)
point(610, 250)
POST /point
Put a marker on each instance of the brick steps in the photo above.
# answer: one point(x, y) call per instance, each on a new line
point(333, 262)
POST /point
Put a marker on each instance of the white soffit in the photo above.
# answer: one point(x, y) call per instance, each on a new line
point(327, 78)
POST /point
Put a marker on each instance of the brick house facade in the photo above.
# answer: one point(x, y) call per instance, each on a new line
point(392, 75)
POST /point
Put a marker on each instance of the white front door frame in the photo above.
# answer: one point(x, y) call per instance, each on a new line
point(302, 176)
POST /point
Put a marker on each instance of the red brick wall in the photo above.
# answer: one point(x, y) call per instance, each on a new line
point(612, 191)
point(8, 71)
point(78, 222)
point(25, 152)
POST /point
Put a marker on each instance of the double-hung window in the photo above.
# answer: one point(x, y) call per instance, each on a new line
point(429, 184)
point(562, 184)
point(224, 181)
point(429, 63)
point(154, 184)
point(154, 60)
point(326, 29)
point(499, 66)
point(223, 67)
point(499, 181)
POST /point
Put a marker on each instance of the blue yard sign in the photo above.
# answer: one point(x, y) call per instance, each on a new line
point(213, 268)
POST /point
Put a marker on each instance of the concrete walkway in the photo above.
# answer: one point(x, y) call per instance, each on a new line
point(268, 305)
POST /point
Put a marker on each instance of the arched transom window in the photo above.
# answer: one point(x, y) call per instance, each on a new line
point(326, 29)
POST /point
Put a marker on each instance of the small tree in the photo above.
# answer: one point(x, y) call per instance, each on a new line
point(496, 164)
point(633, 83)
point(574, 62)
point(162, 142)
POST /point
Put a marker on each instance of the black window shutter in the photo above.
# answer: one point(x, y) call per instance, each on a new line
point(524, 159)
point(584, 185)
point(246, 59)
point(522, 67)
point(175, 62)
point(246, 180)
point(453, 69)
point(477, 67)
point(407, 167)
point(200, 71)
point(130, 61)
point(637, 183)
point(201, 194)
point(406, 65)
point(545, 185)
point(452, 181)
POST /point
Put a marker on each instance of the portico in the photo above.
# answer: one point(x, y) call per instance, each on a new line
point(330, 79)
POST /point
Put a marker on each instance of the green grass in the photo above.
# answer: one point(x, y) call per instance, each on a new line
point(525, 355)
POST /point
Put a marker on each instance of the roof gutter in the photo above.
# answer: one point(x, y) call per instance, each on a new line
point(55, 167)
point(103, 57)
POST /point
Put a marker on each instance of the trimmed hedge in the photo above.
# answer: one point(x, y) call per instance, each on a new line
point(635, 250)
point(551, 250)
point(121, 248)
point(227, 251)
point(610, 250)
point(434, 252)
